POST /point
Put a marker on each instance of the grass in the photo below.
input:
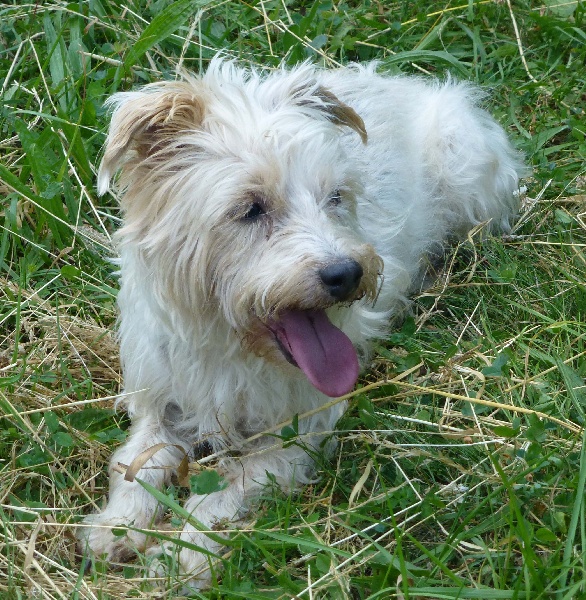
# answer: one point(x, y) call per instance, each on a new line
point(461, 467)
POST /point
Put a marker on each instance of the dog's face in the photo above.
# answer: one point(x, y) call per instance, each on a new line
point(243, 203)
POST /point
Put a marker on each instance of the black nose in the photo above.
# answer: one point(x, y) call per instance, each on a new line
point(341, 278)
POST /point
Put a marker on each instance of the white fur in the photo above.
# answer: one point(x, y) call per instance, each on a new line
point(196, 280)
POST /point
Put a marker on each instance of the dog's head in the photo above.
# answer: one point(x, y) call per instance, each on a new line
point(242, 201)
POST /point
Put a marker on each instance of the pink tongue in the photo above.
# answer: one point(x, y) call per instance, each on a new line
point(323, 352)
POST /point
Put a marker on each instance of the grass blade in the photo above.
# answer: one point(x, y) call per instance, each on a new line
point(161, 27)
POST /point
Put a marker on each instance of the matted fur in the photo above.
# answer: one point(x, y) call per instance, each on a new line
point(238, 189)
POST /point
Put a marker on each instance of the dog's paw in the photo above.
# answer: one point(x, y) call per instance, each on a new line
point(107, 537)
point(193, 568)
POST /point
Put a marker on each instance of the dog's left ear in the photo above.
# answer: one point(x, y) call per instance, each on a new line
point(340, 113)
point(145, 122)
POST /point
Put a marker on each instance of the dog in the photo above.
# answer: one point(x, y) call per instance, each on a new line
point(274, 224)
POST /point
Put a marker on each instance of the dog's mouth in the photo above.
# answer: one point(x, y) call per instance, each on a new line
point(309, 340)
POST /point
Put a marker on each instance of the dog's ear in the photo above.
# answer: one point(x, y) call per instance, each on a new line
point(338, 112)
point(342, 114)
point(144, 122)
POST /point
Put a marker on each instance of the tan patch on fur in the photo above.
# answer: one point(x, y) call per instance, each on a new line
point(373, 266)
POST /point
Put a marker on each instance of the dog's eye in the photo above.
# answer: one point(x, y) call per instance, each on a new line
point(255, 211)
point(335, 198)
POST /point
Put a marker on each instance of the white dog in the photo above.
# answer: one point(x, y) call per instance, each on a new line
point(273, 225)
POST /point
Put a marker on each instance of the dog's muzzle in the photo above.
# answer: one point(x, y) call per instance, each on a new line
point(310, 341)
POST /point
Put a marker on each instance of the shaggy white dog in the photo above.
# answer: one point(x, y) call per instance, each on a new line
point(273, 224)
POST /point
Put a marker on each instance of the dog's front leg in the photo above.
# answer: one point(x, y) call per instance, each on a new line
point(129, 503)
point(244, 479)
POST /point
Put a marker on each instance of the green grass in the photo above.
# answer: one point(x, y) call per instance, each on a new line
point(461, 466)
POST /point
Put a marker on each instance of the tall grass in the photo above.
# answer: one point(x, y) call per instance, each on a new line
point(461, 465)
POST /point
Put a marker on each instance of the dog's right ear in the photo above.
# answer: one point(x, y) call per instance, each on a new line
point(144, 122)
